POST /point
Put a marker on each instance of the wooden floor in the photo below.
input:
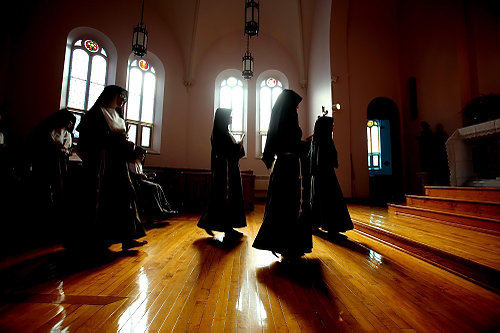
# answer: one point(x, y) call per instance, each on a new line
point(185, 281)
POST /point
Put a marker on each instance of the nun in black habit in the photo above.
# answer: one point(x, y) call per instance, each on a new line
point(109, 213)
point(282, 231)
point(225, 209)
point(328, 207)
point(51, 144)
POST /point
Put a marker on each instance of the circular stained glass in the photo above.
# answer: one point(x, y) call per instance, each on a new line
point(271, 82)
point(143, 64)
point(91, 45)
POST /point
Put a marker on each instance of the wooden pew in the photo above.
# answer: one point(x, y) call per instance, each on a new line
point(189, 189)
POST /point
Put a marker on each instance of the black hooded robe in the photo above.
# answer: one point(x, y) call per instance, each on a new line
point(328, 207)
point(282, 231)
point(50, 169)
point(107, 197)
point(225, 209)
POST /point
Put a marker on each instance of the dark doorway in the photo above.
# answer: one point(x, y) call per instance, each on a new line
point(384, 151)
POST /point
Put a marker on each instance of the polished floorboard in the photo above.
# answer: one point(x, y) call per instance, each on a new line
point(184, 280)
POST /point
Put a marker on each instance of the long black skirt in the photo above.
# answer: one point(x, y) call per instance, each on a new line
point(329, 209)
point(225, 209)
point(282, 231)
point(107, 211)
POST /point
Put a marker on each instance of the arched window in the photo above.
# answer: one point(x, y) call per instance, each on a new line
point(88, 73)
point(373, 141)
point(231, 96)
point(269, 90)
point(140, 108)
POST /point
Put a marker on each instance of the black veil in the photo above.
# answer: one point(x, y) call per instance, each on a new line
point(107, 95)
point(322, 143)
point(221, 138)
point(284, 131)
point(58, 119)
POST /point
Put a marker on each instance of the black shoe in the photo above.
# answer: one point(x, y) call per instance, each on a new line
point(132, 243)
point(337, 237)
point(233, 234)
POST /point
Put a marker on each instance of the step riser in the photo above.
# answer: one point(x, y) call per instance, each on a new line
point(479, 195)
point(475, 209)
point(459, 221)
point(480, 274)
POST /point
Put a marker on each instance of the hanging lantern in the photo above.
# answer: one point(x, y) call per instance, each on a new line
point(140, 37)
point(247, 63)
point(251, 17)
point(247, 71)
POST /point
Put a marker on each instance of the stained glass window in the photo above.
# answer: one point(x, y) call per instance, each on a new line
point(140, 107)
point(91, 45)
point(143, 64)
point(87, 77)
point(271, 82)
point(373, 142)
point(270, 89)
point(231, 97)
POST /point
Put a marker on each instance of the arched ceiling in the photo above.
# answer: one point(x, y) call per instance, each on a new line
point(197, 24)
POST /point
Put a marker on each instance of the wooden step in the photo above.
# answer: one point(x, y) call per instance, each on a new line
point(489, 194)
point(479, 273)
point(458, 206)
point(482, 224)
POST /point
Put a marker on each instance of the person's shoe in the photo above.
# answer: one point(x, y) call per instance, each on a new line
point(210, 232)
point(133, 243)
point(233, 234)
point(337, 237)
point(291, 256)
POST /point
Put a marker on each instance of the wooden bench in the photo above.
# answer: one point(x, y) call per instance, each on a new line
point(189, 189)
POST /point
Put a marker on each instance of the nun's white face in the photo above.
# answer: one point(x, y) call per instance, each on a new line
point(121, 99)
point(118, 101)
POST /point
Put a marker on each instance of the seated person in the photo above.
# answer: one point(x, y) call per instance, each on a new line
point(50, 147)
point(152, 201)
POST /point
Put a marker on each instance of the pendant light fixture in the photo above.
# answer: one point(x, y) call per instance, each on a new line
point(247, 63)
point(251, 17)
point(140, 37)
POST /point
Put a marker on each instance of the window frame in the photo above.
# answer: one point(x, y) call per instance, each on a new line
point(81, 112)
point(139, 123)
point(369, 126)
point(262, 133)
point(224, 76)
point(66, 85)
point(238, 81)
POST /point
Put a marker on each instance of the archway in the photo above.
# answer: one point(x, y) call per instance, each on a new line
point(384, 150)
